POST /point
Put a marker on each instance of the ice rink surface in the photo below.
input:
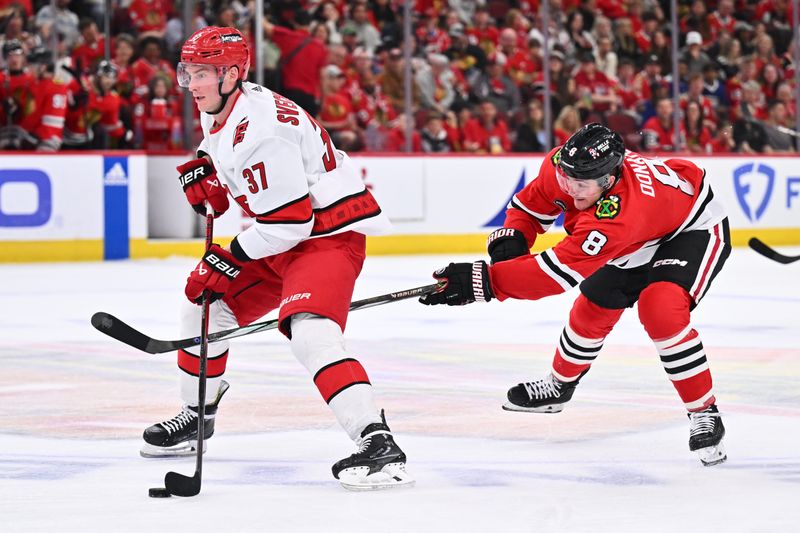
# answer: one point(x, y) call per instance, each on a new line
point(73, 404)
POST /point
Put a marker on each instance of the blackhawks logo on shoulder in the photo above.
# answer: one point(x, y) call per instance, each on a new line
point(608, 207)
point(556, 159)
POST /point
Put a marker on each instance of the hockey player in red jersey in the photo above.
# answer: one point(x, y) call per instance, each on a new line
point(302, 254)
point(638, 230)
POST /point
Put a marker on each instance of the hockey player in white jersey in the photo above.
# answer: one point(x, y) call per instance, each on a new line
point(302, 254)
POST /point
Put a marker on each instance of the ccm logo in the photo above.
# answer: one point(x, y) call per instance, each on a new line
point(666, 262)
point(294, 297)
point(218, 264)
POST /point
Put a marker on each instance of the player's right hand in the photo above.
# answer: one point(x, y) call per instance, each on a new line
point(201, 184)
point(506, 243)
point(213, 273)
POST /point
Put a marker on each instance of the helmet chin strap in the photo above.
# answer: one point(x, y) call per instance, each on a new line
point(225, 97)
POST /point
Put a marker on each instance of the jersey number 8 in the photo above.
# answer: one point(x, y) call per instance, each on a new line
point(594, 243)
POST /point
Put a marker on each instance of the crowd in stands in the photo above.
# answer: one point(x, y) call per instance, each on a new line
point(478, 72)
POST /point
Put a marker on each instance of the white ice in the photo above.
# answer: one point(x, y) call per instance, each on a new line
point(73, 404)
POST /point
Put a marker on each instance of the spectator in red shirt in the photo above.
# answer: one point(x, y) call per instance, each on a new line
point(657, 132)
point(722, 18)
point(695, 94)
point(484, 33)
point(336, 112)
point(302, 59)
point(625, 86)
point(486, 134)
point(645, 80)
point(150, 65)
point(103, 110)
point(723, 142)
point(593, 90)
point(51, 103)
point(396, 140)
point(89, 52)
point(124, 48)
point(698, 136)
point(374, 114)
point(158, 118)
point(431, 38)
point(149, 17)
point(644, 37)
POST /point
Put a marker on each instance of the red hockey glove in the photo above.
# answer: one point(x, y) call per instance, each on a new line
point(466, 283)
point(214, 273)
point(506, 243)
point(201, 184)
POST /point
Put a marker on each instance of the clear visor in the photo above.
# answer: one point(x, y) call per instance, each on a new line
point(199, 75)
point(581, 188)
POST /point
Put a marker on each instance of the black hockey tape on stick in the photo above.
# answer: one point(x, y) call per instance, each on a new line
point(768, 252)
point(119, 330)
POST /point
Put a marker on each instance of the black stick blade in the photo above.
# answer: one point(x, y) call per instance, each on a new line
point(180, 485)
point(763, 249)
point(117, 329)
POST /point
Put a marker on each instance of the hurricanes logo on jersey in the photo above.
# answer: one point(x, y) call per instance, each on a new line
point(241, 128)
point(607, 207)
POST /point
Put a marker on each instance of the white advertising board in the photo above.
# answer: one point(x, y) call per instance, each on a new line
point(74, 197)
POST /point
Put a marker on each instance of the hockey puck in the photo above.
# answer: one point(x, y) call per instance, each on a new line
point(158, 492)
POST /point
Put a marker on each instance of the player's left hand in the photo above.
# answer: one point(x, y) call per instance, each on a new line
point(214, 273)
point(465, 283)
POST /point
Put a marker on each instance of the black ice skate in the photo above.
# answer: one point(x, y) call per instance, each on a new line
point(546, 395)
point(705, 436)
point(178, 436)
point(379, 462)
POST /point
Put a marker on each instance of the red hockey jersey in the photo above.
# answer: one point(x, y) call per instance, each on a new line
point(652, 202)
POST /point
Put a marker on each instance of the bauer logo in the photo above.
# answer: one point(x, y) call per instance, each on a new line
point(26, 198)
point(754, 184)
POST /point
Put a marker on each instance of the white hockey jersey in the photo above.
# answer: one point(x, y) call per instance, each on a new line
point(281, 167)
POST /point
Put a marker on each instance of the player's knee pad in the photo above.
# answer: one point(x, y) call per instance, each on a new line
point(220, 317)
point(590, 320)
point(316, 341)
point(664, 309)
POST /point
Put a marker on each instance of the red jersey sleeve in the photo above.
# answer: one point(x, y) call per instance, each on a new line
point(533, 209)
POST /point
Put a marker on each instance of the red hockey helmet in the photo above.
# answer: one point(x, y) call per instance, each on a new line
point(221, 48)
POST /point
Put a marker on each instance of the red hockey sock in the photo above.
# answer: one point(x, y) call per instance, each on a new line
point(664, 313)
point(582, 338)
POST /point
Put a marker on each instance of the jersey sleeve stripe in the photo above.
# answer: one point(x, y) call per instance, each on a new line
point(552, 269)
point(343, 212)
point(544, 220)
point(567, 271)
point(704, 198)
point(295, 212)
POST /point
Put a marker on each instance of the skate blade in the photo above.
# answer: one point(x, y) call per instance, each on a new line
point(508, 406)
point(184, 449)
point(712, 455)
point(393, 475)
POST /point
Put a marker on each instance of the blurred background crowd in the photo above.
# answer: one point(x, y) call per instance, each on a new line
point(477, 72)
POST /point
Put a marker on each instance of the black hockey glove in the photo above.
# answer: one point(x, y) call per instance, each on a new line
point(466, 283)
point(506, 243)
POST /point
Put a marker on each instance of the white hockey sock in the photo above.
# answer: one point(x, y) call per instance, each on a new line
point(318, 344)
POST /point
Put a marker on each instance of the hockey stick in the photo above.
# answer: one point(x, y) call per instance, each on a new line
point(119, 330)
point(765, 250)
point(176, 483)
